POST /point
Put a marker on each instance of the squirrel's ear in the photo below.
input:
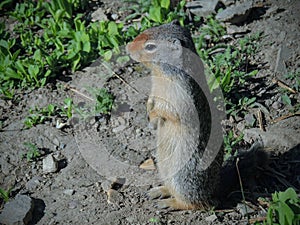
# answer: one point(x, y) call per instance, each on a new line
point(175, 22)
point(175, 45)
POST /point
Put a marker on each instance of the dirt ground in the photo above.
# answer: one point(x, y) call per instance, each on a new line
point(92, 153)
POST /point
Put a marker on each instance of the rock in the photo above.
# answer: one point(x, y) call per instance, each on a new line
point(228, 2)
point(211, 218)
point(235, 14)
point(202, 8)
point(18, 211)
point(50, 165)
point(282, 135)
point(241, 126)
point(73, 204)
point(276, 105)
point(283, 55)
point(99, 15)
point(33, 183)
point(244, 209)
point(6, 167)
point(233, 29)
point(106, 185)
point(268, 102)
point(250, 119)
point(114, 197)
point(56, 141)
point(114, 16)
point(69, 192)
point(119, 128)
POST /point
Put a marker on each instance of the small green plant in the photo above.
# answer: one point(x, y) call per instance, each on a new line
point(104, 102)
point(294, 78)
point(284, 208)
point(67, 108)
point(230, 140)
point(154, 220)
point(227, 65)
point(39, 116)
point(32, 152)
point(4, 194)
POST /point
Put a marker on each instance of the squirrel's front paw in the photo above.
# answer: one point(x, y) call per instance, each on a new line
point(159, 192)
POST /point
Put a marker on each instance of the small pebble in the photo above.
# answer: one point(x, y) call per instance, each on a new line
point(50, 165)
point(69, 192)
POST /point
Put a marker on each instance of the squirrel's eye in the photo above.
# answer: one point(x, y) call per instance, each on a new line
point(150, 47)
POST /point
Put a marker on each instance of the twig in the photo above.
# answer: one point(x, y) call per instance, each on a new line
point(78, 92)
point(286, 117)
point(260, 120)
point(241, 185)
point(259, 219)
point(120, 78)
point(283, 85)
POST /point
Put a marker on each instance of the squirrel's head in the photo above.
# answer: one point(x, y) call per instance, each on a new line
point(162, 44)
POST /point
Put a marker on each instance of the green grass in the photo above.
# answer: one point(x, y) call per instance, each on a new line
point(227, 62)
point(4, 194)
point(53, 37)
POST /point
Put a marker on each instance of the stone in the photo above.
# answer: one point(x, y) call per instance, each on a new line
point(202, 8)
point(114, 197)
point(211, 218)
point(283, 55)
point(282, 135)
point(277, 105)
point(50, 165)
point(99, 15)
point(250, 119)
point(244, 209)
point(235, 14)
point(17, 211)
point(119, 128)
point(69, 192)
point(33, 183)
point(228, 2)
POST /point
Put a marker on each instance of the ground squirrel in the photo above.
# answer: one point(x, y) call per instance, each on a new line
point(180, 110)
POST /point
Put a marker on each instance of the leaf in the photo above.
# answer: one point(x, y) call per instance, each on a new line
point(112, 29)
point(290, 193)
point(165, 4)
point(107, 55)
point(285, 214)
point(11, 74)
point(155, 14)
point(33, 70)
point(286, 99)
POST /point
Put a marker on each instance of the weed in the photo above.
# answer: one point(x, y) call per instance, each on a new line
point(39, 116)
point(154, 220)
point(230, 140)
point(104, 102)
point(32, 153)
point(284, 208)
point(227, 64)
point(5, 194)
point(67, 108)
point(294, 77)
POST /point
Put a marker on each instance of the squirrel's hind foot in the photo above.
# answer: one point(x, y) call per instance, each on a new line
point(166, 200)
point(159, 192)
